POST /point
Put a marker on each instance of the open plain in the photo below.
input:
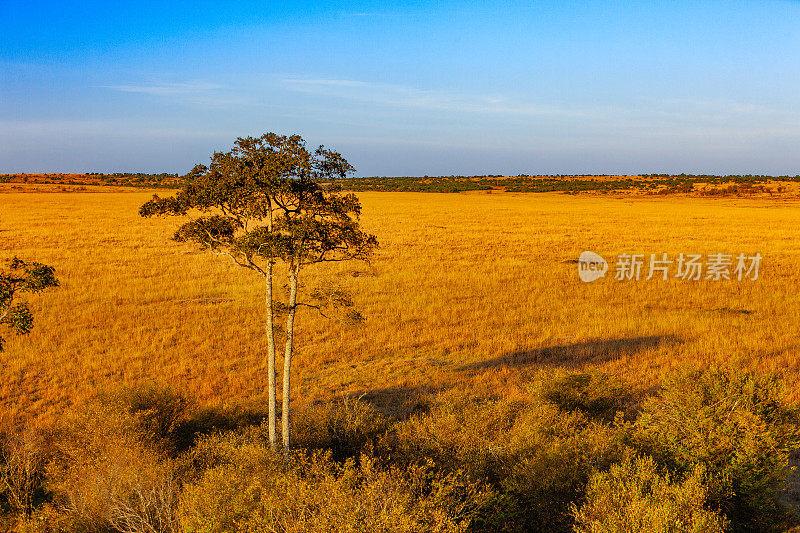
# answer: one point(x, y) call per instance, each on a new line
point(467, 290)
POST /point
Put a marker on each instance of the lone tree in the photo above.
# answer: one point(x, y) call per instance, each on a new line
point(18, 278)
point(268, 200)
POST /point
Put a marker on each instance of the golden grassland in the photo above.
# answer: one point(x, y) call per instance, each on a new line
point(467, 290)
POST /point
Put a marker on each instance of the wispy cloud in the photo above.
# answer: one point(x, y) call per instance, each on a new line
point(712, 108)
point(167, 89)
point(13, 129)
point(410, 97)
point(200, 93)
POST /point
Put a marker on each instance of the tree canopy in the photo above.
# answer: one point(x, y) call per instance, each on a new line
point(270, 198)
point(18, 278)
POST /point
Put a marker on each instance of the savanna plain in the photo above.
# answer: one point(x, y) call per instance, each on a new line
point(487, 389)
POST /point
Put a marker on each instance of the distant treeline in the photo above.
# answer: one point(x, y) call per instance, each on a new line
point(571, 184)
point(710, 185)
point(122, 179)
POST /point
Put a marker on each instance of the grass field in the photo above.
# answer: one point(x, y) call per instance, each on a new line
point(468, 290)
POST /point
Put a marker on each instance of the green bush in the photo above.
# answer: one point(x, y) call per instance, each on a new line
point(555, 456)
point(633, 497)
point(737, 427)
point(552, 470)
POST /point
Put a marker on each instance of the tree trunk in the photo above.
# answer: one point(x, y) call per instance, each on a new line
point(287, 356)
point(273, 437)
point(273, 415)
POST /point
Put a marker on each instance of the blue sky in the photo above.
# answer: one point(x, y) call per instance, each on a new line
point(406, 87)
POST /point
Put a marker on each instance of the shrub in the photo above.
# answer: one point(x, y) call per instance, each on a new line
point(711, 444)
point(342, 428)
point(46, 519)
point(172, 421)
point(632, 496)
point(24, 456)
point(551, 471)
point(156, 412)
point(536, 457)
point(248, 488)
point(110, 475)
point(737, 427)
point(458, 431)
point(597, 395)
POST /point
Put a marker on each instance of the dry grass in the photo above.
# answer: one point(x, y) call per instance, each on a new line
point(467, 289)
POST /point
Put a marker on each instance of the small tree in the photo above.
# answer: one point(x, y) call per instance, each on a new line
point(267, 200)
point(21, 277)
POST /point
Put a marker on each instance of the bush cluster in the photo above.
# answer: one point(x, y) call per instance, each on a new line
point(581, 452)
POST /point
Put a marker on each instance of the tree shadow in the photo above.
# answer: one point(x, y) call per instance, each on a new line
point(576, 354)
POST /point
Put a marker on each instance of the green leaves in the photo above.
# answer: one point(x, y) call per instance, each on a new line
point(737, 426)
point(209, 232)
point(29, 277)
point(19, 319)
point(22, 277)
point(270, 199)
point(175, 205)
point(263, 243)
